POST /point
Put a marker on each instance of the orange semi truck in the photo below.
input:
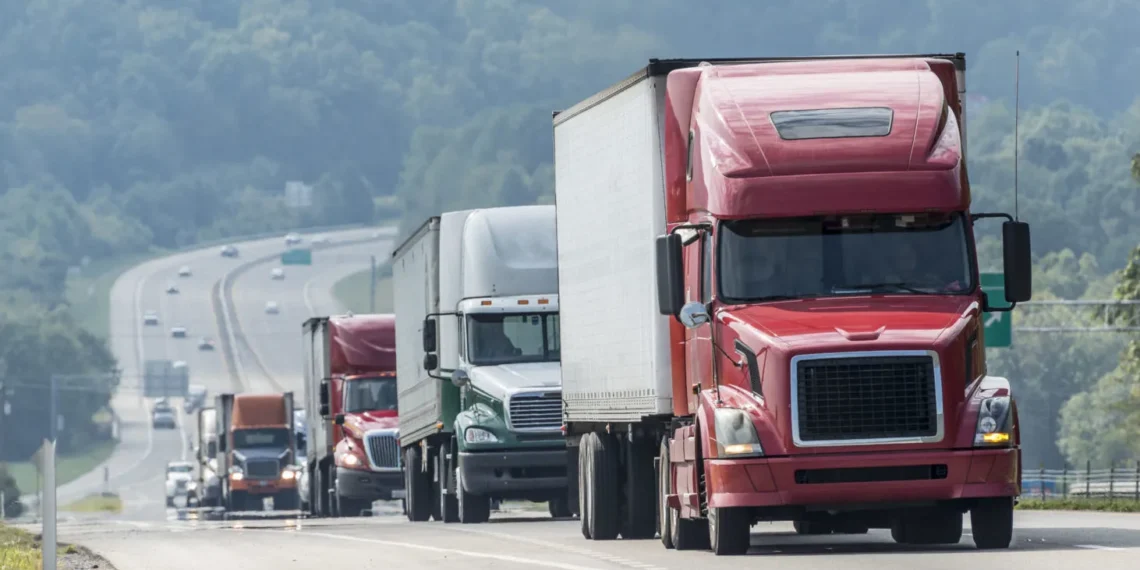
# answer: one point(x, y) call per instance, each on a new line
point(771, 305)
point(256, 448)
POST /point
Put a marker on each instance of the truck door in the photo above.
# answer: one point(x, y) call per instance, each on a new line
point(698, 341)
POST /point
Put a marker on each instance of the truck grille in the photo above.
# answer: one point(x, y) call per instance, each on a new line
point(383, 451)
point(262, 469)
point(536, 411)
point(867, 398)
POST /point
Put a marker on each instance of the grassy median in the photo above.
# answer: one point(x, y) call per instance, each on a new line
point(103, 503)
point(353, 292)
point(67, 467)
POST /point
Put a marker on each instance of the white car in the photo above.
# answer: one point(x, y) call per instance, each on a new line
point(171, 289)
point(277, 273)
point(179, 474)
point(229, 251)
point(178, 332)
point(271, 308)
point(184, 271)
point(150, 318)
point(291, 239)
point(179, 364)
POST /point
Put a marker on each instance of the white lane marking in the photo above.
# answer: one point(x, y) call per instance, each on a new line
point(441, 550)
point(1097, 547)
point(140, 355)
point(563, 547)
point(234, 349)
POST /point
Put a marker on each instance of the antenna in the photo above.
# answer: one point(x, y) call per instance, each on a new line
point(1016, 117)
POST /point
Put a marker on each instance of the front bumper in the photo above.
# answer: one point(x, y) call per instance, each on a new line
point(863, 479)
point(263, 486)
point(369, 485)
point(491, 472)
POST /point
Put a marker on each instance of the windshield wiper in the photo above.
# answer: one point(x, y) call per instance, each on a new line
point(879, 287)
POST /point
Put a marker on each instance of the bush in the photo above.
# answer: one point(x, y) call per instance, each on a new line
point(13, 507)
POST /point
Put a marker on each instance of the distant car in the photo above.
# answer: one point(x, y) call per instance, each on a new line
point(178, 332)
point(277, 273)
point(184, 271)
point(205, 343)
point(321, 240)
point(171, 289)
point(195, 398)
point(271, 308)
point(179, 364)
point(150, 318)
point(291, 239)
point(161, 405)
point(229, 251)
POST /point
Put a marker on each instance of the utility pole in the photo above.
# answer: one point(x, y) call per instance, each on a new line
point(372, 288)
point(48, 460)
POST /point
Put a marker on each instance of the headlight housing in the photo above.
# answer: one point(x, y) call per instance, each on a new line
point(735, 434)
point(995, 423)
point(349, 460)
point(478, 435)
point(237, 473)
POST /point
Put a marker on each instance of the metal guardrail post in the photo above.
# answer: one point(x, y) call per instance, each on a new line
point(1088, 478)
point(1111, 481)
point(1136, 496)
point(1065, 482)
point(1041, 481)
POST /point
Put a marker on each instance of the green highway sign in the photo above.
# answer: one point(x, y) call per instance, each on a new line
point(297, 257)
point(998, 325)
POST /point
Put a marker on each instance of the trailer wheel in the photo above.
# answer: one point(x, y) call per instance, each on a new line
point(583, 467)
point(473, 509)
point(730, 530)
point(664, 487)
point(992, 523)
point(602, 487)
point(559, 507)
point(639, 508)
point(448, 504)
point(418, 487)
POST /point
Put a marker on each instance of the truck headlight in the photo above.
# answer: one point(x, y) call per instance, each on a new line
point(478, 435)
point(994, 423)
point(735, 434)
point(349, 460)
point(236, 473)
point(288, 474)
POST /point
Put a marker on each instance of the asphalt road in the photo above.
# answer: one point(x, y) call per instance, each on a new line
point(135, 471)
point(1044, 540)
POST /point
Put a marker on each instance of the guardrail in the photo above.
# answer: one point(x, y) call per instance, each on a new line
point(1119, 483)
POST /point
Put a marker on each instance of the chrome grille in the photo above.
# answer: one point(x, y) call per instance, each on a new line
point(262, 469)
point(535, 411)
point(383, 450)
point(878, 398)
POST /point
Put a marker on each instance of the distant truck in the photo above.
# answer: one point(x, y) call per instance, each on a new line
point(256, 451)
point(206, 489)
point(353, 450)
point(770, 290)
point(477, 351)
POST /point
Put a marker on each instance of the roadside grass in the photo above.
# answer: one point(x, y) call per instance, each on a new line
point(19, 550)
point(108, 503)
point(67, 469)
point(89, 292)
point(1119, 505)
point(353, 291)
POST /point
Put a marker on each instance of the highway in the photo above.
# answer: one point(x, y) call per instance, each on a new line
point(147, 535)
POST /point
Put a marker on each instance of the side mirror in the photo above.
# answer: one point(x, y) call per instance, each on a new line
point(323, 392)
point(429, 335)
point(1018, 261)
point(670, 275)
point(431, 362)
point(693, 315)
point(460, 378)
point(323, 409)
point(339, 419)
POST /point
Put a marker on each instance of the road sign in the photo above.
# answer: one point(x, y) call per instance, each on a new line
point(297, 257)
point(162, 380)
point(998, 325)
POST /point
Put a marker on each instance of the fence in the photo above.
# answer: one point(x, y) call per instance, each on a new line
point(1121, 483)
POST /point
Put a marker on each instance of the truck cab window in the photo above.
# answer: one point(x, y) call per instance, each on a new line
point(844, 255)
point(496, 338)
point(370, 394)
point(261, 437)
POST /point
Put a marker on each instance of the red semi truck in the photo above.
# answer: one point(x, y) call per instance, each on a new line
point(351, 413)
point(770, 305)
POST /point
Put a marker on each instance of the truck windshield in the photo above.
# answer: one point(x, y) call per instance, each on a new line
point(370, 395)
point(761, 260)
point(497, 338)
point(181, 468)
point(261, 437)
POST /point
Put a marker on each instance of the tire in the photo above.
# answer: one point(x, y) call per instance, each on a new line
point(169, 501)
point(639, 509)
point(689, 534)
point(417, 486)
point(448, 504)
point(664, 487)
point(559, 507)
point(991, 522)
point(473, 509)
point(730, 530)
point(584, 461)
point(602, 488)
point(286, 501)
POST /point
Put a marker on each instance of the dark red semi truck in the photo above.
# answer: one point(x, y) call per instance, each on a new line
point(351, 413)
point(770, 305)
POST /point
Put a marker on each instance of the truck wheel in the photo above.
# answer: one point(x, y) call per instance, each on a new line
point(992, 523)
point(448, 504)
point(559, 508)
point(730, 530)
point(285, 501)
point(321, 505)
point(418, 487)
point(583, 491)
point(639, 508)
point(169, 500)
point(347, 507)
point(601, 477)
point(664, 487)
point(473, 509)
